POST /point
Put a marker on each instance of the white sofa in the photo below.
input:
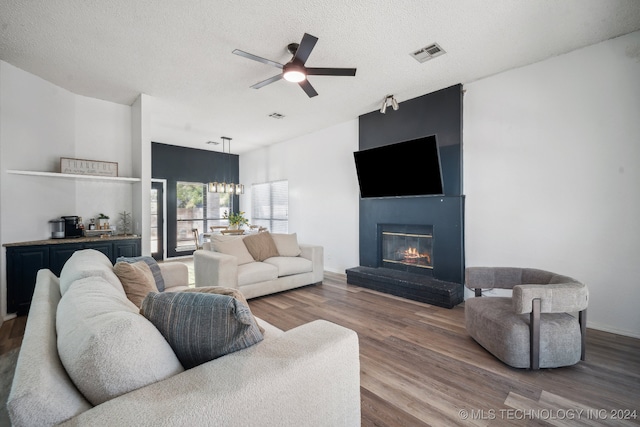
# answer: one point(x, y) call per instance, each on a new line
point(306, 376)
point(294, 266)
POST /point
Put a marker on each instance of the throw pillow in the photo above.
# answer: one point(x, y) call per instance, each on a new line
point(261, 246)
point(105, 345)
point(221, 290)
point(287, 244)
point(234, 247)
point(201, 327)
point(153, 265)
point(137, 280)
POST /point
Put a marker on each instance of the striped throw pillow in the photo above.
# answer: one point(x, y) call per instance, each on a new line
point(201, 327)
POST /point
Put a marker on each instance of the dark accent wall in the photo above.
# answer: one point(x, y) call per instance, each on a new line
point(175, 164)
point(438, 113)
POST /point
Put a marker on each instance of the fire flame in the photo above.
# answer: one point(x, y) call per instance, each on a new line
point(413, 254)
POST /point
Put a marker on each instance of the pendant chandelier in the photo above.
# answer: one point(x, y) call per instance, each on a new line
point(224, 186)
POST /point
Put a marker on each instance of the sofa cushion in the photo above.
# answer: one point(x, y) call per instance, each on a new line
point(290, 265)
point(201, 326)
point(153, 265)
point(88, 263)
point(137, 280)
point(287, 244)
point(255, 272)
point(234, 247)
point(261, 246)
point(106, 346)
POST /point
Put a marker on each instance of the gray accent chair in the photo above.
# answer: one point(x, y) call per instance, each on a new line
point(533, 328)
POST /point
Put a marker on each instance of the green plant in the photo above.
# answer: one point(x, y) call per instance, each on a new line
point(102, 216)
point(235, 218)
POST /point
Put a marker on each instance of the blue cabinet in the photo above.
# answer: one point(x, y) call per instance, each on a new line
point(24, 261)
point(23, 264)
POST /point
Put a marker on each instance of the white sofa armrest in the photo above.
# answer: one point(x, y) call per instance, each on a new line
point(215, 269)
point(309, 375)
point(315, 253)
point(174, 274)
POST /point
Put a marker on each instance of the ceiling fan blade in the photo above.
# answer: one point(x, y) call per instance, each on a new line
point(304, 49)
point(331, 71)
point(306, 86)
point(266, 82)
point(257, 58)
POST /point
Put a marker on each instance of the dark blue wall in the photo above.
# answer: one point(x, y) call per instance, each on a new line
point(438, 113)
point(175, 164)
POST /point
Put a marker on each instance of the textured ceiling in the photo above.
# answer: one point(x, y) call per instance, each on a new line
point(179, 53)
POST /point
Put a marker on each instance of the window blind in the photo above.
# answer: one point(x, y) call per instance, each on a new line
point(270, 206)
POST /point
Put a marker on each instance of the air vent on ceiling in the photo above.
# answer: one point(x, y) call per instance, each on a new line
point(213, 142)
point(276, 116)
point(428, 52)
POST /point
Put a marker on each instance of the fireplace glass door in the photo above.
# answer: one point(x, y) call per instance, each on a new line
point(406, 250)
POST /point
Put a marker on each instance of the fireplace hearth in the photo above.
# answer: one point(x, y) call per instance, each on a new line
point(412, 286)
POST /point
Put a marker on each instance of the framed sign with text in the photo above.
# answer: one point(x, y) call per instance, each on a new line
point(88, 167)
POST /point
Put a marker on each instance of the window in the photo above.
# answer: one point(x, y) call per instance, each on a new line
point(197, 209)
point(270, 206)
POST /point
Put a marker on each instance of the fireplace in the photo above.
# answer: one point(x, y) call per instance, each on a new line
point(421, 255)
point(406, 247)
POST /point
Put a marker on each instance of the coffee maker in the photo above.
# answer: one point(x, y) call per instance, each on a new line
point(72, 226)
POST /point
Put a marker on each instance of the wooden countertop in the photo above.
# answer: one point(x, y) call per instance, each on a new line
point(71, 240)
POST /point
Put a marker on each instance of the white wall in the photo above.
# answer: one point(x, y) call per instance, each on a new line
point(323, 189)
point(552, 174)
point(39, 123)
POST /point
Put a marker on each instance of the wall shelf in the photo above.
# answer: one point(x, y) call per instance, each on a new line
point(74, 176)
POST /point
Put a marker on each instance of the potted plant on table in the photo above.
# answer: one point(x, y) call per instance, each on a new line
point(103, 221)
point(236, 220)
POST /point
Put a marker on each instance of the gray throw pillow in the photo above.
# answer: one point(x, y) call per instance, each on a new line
point(153, 265)
point(201, 327)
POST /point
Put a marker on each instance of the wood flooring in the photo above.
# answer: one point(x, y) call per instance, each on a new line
point(419, 367)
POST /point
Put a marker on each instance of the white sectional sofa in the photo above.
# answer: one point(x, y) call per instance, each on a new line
point(227, 261)
point(305, 376)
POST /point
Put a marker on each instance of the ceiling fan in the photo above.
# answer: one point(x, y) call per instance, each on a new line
point(294, 70)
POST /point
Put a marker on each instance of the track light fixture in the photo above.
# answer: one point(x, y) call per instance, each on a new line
point(389, 100)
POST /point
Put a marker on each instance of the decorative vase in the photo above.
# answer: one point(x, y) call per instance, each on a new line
point(233, 226)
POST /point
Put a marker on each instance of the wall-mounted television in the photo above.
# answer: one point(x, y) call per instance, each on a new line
point(403, 169)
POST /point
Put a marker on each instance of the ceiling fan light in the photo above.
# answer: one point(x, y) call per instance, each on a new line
point(295, 76)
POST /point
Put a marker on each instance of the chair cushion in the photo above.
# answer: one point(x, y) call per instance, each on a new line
point(137, 280)
point(88, 263)
point(290, 265)
point(492, 322)
point(234, 247)
point(261, 246)
point(201, 326)
point(153, 265)
point(106, 346)
point(287, 244)
point(255, 272)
